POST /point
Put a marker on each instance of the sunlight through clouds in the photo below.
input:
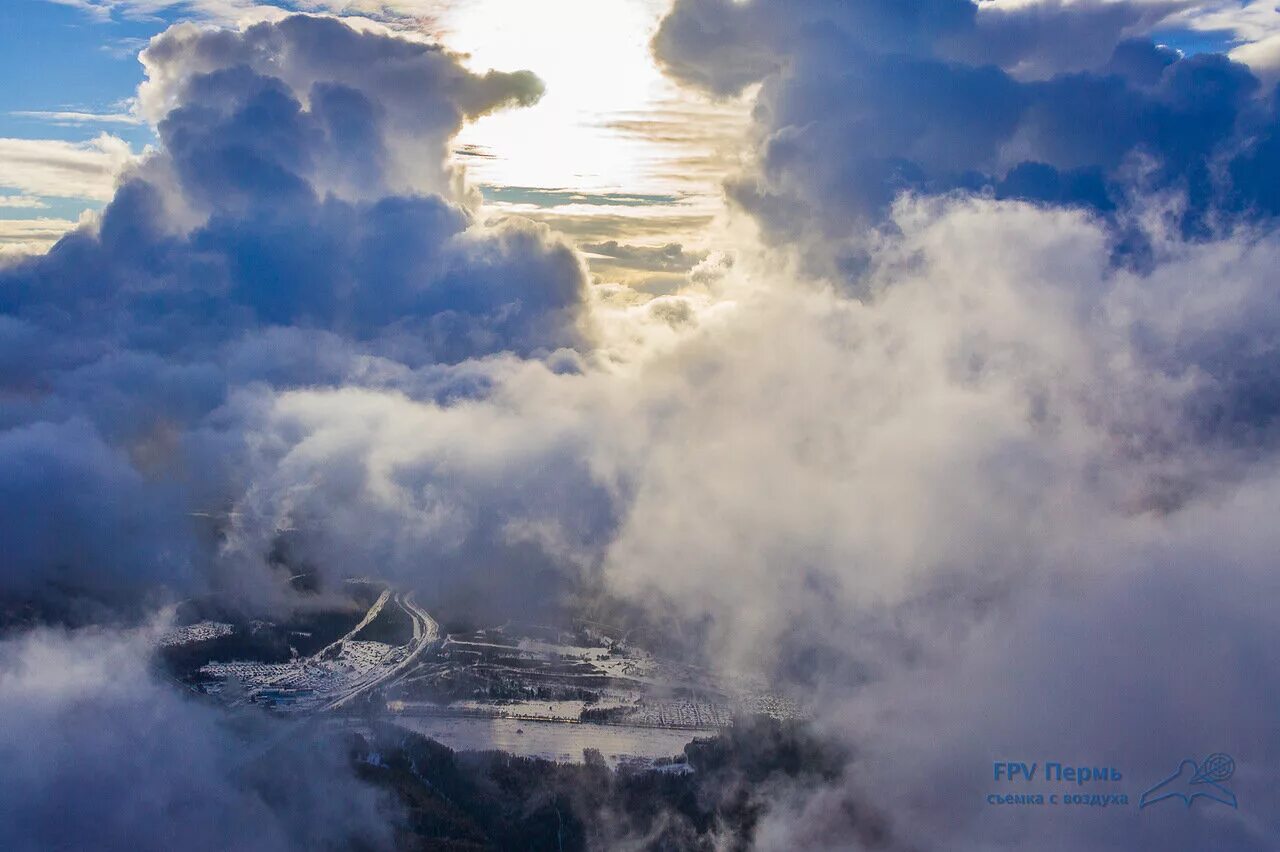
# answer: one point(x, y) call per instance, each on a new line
point(609, 123)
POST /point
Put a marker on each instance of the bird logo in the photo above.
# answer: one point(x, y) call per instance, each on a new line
point(1194, 781)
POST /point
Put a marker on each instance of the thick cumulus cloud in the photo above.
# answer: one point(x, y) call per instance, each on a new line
point(1006, 505)
point(1049, 102)
point(297, 226)
point(302, 182)
point(1016, 480)
point(1003, 390)
point(387, 105)
point(98, 754)
point(486, 505)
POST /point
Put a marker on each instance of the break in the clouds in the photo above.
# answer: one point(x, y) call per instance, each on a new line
point(976, 451)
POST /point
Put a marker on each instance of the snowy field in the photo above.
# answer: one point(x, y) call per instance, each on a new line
point(192, 633)
point(556, 741)
point(306, 684)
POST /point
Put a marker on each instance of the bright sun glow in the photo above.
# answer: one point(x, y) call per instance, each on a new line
point(601, 80)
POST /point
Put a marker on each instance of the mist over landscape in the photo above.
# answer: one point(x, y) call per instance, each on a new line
point(816, 405)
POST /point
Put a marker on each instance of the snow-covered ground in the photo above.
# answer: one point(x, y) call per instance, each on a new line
point(551, 740)
point(331, 678)
point(192, 633)
point(482, 681)
point(309, 683)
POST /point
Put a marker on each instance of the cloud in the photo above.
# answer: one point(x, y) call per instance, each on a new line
point(1247, 21)
point(1043, 38)
point(860, 102)
point(50, 167)
point(297, 226)
point(981, 488)
point(219, 11)
point(69, 117)
point(77, 502)
point(986, 362)
point(31, 236)
point(1138, 667)
point(653, 269)
point(28, 202)
point(100, 754)
point(990, 508)
point(1262, 57)
point(418, 92)
point(487, 506)
point(780, 464)
point(667, 258)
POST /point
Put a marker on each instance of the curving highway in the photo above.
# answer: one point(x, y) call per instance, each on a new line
point(425, 631)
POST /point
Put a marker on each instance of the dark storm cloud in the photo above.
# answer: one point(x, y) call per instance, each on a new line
point(1048, 102)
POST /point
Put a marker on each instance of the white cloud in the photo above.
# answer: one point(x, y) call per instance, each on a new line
point(1249, 20)
point(1252, 20)
point(1263, 58)
point(31, 236)
point(393, 280)
point(224, 11)
point(23, 202)
point(72, 117)
point(52, 167)
point(243, 11)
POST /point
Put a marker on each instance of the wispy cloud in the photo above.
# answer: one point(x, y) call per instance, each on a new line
point(236, 11)
point(124, 48)
point(76, 117)
point(31, 236)
point(214, 10)
point(93, 7)
point(25, 202)
point(53, 167)
point(557, 197)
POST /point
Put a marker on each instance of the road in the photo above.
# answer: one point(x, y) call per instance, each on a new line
point(364, 622)
point(425, 631)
